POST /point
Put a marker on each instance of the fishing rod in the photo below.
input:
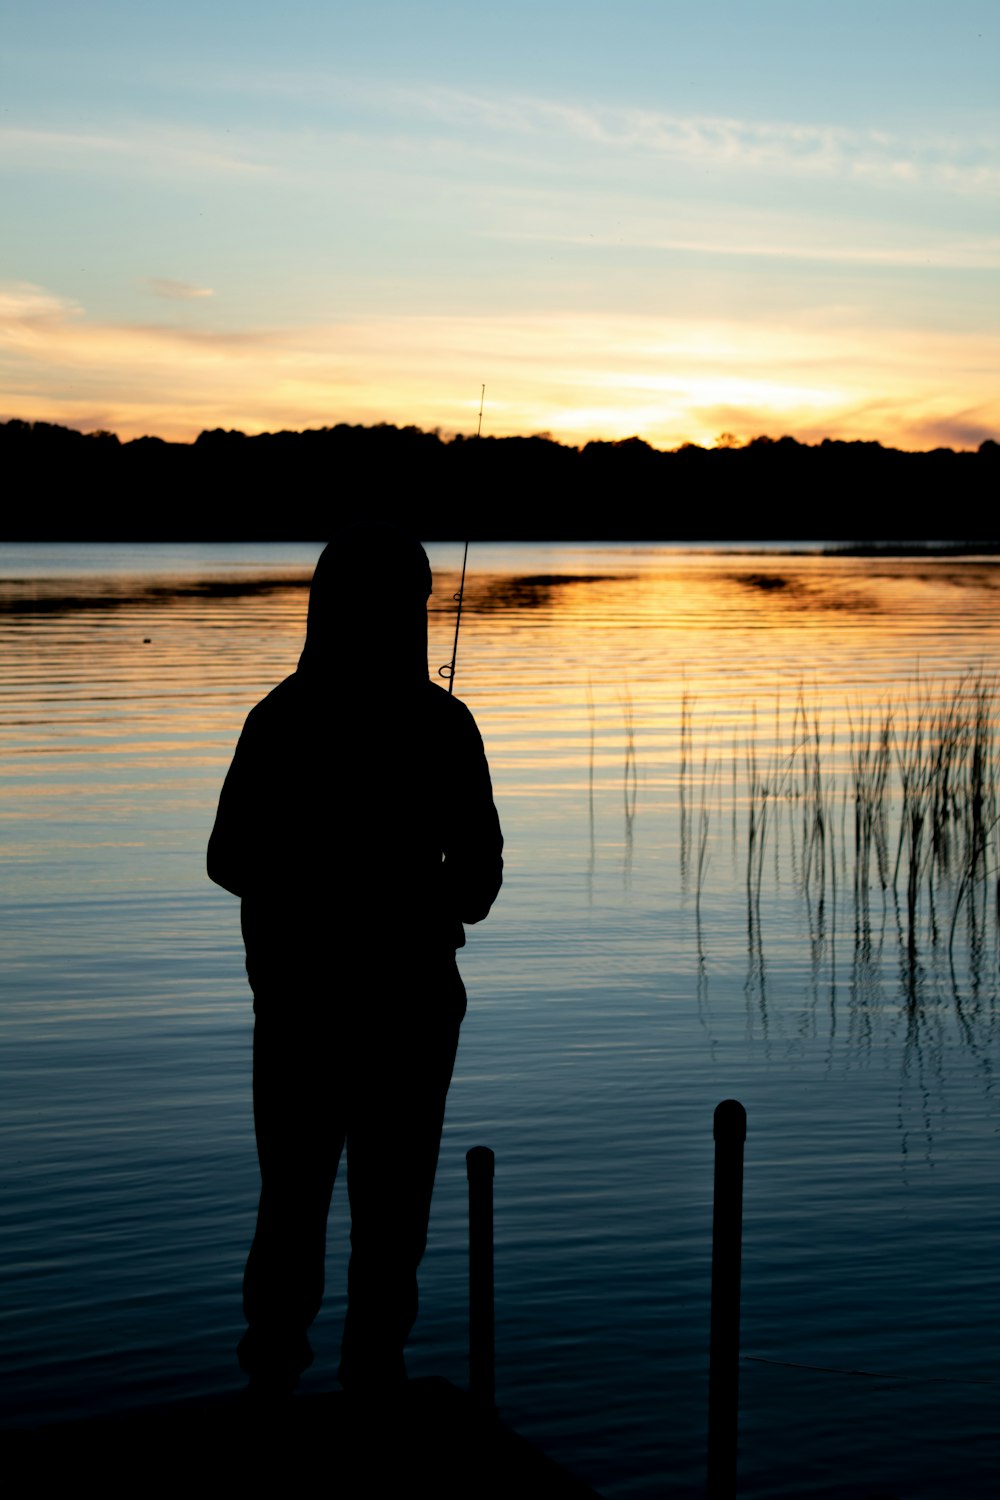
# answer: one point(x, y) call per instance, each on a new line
point(449, 669)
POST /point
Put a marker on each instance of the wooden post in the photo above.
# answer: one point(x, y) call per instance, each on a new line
point(482, 1375)
point(730, 1131)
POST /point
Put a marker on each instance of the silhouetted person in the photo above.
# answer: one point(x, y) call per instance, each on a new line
point(357, 824)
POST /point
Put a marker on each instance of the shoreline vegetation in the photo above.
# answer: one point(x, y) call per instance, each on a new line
point(894, 826)
point(299, 486)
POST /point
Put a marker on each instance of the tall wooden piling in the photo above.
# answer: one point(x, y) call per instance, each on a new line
point(482, 1375)
point(730, 1132)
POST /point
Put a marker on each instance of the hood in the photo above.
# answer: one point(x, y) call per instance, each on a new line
point(368, 610)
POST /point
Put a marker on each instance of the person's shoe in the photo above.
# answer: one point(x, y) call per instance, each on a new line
point(270, 1387)
point(273, 1365)
point(382, 1374)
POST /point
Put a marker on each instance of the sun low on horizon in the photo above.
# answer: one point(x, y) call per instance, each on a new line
point(662, 219)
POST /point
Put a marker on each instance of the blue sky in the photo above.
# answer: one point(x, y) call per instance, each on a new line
point(670, 219)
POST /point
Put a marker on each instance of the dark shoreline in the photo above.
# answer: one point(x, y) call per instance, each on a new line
point(294, 486)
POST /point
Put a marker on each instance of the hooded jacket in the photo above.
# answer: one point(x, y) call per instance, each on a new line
point(357, 816)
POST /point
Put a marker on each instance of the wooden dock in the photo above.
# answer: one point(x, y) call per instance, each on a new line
point(433, 1438)
point(429, 1436)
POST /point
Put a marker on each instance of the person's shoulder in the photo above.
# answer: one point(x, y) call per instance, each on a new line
point(445, 706)
point(280, 701)
point(449, 714)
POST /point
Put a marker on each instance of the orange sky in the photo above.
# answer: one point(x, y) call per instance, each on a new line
point(670, 221)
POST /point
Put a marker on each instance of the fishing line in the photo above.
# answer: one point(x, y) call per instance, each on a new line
point(448, 670)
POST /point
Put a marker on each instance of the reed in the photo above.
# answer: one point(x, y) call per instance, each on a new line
point(817, 788)
point(630, 780)
point(683, 772)
point(630, 775)
point(592, 854)
point(974, 812)
point(912, 742)
point(921, 778)
point(869, 759)
point(707, 786)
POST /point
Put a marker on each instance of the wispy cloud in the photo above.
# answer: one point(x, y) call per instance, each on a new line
point(152, 150)
point(962, 429)
point(960, 163)
point(800, 244)
point(176, 291)
point(577, 374)
point(23, 303)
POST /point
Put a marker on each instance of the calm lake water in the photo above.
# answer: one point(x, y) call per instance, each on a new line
point(683, 747)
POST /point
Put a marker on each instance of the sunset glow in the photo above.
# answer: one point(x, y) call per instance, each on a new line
point(667, 222)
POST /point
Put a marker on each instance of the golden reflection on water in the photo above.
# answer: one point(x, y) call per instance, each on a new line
point(684, 918)
point(641, 626)
point(645, 698)
point(592, 646)
point(740, 637)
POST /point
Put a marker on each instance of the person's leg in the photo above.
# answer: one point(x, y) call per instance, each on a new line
point(393, 1140)
point(299, 1120)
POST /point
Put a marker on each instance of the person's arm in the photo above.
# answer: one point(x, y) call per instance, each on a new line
point(229, 845)
point(473, 854)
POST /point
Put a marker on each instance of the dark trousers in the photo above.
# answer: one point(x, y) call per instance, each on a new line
point(376, 1082)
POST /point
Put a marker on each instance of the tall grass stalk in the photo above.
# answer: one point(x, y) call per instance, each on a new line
point(683, 772)
point(630, 779)
point(869, 756)
point(922, 779)
point(707, 785)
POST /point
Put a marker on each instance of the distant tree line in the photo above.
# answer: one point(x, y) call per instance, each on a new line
point(66, 485)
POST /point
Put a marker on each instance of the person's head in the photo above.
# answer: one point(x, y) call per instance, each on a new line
point(368, 605)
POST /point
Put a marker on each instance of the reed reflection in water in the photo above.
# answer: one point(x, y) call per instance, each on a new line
point(902, 825)
point(750, 807)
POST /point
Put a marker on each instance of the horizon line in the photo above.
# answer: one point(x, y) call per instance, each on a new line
point(726, 442)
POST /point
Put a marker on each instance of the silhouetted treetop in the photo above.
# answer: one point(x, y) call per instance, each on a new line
point(298, 485)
